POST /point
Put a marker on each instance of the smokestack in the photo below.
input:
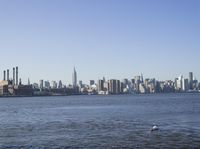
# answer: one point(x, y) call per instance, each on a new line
point(4, 75)
point(7, 74)
point(16, 75)
point(13, 75)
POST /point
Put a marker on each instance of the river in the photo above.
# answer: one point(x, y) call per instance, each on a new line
point(93, 122)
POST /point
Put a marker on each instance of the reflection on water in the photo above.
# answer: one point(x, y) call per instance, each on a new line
point(101, 121)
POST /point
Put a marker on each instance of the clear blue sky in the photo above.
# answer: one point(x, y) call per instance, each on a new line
point(111, 38)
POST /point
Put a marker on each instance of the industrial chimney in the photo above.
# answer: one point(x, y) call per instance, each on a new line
point(13, 75)
point(4, 75)
point(16, 75)
point(7, 74)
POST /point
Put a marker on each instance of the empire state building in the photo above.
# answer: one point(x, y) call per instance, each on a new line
point(74, 78)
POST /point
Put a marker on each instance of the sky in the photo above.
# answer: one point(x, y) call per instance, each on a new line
point(114, 39)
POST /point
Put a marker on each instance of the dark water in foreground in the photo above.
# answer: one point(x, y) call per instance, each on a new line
point(101, 121)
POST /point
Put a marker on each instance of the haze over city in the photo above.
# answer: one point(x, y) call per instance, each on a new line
point(110, 38)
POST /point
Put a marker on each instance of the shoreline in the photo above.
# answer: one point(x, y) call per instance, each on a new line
point(22, 96)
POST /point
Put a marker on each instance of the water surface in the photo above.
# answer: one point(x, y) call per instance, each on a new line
point(101, 121)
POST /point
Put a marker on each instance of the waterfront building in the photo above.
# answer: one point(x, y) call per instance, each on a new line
point(185, 85)
point(180, 83)
point(23, 90)
point(4, 87)
point(114, 86)
point(100, 85)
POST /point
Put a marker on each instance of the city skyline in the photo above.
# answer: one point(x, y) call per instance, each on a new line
point(14, 77)
point(137, 85)
point(111, 39)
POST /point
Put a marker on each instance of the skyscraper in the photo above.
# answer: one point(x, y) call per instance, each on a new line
point(60, 84)
point(41, 84)
point(100, 85)
point(185, 85)
point(114, 86)
point(190, 80)
point(74, 78)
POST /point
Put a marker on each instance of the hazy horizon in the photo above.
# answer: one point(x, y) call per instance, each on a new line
point(108, 38)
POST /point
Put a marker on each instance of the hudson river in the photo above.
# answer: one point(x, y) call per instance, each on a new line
point(94, 122)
